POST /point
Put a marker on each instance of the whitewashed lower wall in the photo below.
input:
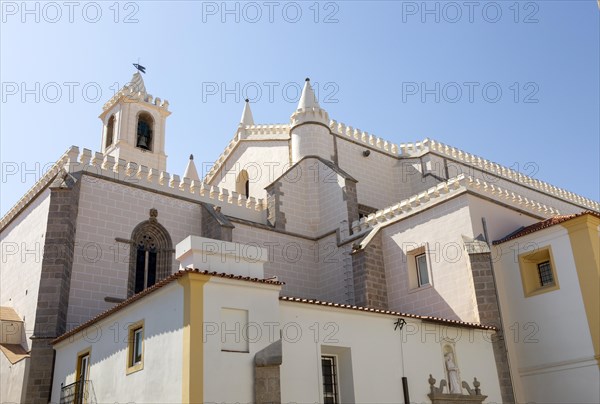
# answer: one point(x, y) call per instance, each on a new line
point(379, 355)
point(161, 378)
point(548, 336)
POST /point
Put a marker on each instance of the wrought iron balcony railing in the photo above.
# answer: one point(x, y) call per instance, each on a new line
point(80, 392)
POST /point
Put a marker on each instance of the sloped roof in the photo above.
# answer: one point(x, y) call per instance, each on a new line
point(170, 279)
point(544, 224)
point(334, 167)
point(457, 323)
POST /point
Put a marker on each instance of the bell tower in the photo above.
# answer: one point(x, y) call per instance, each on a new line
point(133, 126)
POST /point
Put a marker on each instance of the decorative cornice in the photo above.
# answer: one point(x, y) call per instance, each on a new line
point(443, 191)
point(38, 187)
point(509, 174)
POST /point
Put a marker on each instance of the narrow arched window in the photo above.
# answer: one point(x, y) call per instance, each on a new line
point(110, 128)
point(145, 128)
point(242, 185)
point(145, 263)
point(151, 255)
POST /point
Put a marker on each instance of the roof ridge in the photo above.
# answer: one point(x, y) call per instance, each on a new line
point(384, 311)
point(169, 279)
point(543, 224)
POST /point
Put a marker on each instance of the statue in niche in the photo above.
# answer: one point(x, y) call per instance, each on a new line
point(453, 376)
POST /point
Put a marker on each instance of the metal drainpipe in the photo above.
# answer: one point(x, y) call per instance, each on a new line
point(405, 390)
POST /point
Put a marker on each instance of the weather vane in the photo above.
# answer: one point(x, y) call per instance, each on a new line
point(139, 67)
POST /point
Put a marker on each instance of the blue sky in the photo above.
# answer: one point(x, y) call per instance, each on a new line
point(401, 70)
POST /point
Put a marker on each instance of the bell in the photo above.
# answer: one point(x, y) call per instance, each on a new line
point(142, 142)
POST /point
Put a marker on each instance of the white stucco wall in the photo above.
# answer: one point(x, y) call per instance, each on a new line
point(452, 294)
point(229, 376)
point(22, 243)
point(378, 175)
point(500, 220)
point(373, 356)
point(159, 381)
point(11, 380)
point(548, 336)
point(263, 160)
point(378, 354)
point(108, 210)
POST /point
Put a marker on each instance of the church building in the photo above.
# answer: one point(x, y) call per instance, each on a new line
point(313, 216)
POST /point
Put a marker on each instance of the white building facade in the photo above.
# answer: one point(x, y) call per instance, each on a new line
point(215, 337)
point(344, 216)
point(549, 283)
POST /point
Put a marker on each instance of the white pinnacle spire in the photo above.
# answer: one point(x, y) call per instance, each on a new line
point(137, 83)
point(190, 170)
point(309, 109)
point(308, 98)
point(247, 118)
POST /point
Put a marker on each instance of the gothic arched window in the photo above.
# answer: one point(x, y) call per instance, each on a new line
point(242, 185)
point(145, 126)
point(110, 128)
point(151, 252)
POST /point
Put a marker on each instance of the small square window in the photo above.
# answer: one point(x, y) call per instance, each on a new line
point(545, 272)
point(422, 272)
point(538, 272)
point(135, 348)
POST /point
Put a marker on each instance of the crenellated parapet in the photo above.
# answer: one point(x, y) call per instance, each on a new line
point(106, 166)
point(415, 149)
point(135, 91)
point(510, 174)
point(418, 149)
point(265, 130)
point(309, 114)
point(444, 191)
point(38, 187)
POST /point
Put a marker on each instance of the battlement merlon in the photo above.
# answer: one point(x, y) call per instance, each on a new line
point(135, 92)
point(130, 173)
point(442, 192)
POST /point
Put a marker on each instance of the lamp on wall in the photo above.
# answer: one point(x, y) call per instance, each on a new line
point(366, 153)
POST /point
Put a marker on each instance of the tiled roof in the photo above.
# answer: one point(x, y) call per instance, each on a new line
point(155, 287)
point(543, 225)
point(388, 312)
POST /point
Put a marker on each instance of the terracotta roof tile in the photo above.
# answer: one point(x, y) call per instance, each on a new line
point(388, 312)
point(156, 286)
point(544, 224)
